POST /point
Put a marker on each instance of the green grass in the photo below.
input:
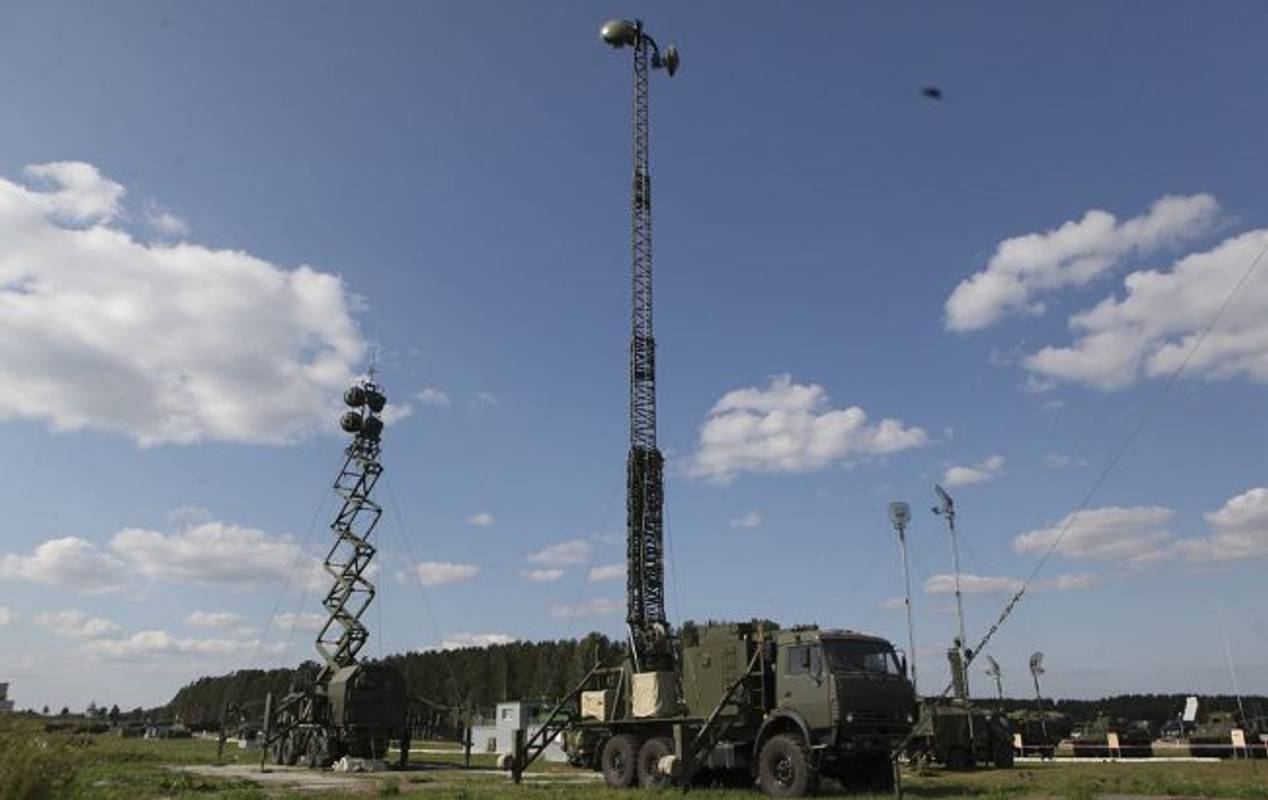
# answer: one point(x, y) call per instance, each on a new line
point(38, 765)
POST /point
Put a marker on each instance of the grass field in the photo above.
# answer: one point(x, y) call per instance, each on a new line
point(35, 765)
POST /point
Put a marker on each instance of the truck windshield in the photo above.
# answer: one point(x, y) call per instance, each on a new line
point(847, 656)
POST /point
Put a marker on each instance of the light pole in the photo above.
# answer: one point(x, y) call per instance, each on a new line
point(899, 516)
point(1036, 669)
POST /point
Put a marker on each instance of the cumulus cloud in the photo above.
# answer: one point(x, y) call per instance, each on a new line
point(1137, 535)
point(543, 575)
point(165, 222)
point(1154, 327)
point(68, 561)
point(563, 554)
point(590, 608)
point(458, 641)
point(788, 427)
point(1238, 530)
point(75, 623)
point(944, 583)
point(1073, 254)
point(752, 519)
point(6, 616)
point(438, 573)
point(481, 519)
point(213, 619)
point(163, 343)
point(209, 553)
point(986, 470)
point(607, 572)
point(159, 642)
point(431, 396)
point(1062, 461)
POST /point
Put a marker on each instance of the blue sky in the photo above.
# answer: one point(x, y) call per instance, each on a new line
point(210, 215)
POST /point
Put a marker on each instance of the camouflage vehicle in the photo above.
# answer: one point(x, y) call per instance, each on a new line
point(1091, 739)
point(1040, 731)
point(942, 736)
point(1213, 737)
point(747, 703)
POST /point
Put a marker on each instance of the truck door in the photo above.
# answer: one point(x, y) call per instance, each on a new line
point(804, 684)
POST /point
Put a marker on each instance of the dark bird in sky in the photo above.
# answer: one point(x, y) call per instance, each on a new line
point(932, 92)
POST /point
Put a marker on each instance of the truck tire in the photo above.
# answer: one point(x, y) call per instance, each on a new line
point(958, 757)
point(649, 755)
point(619, 761)
point(784, 767)
point(880, 779)
point(1003, 756)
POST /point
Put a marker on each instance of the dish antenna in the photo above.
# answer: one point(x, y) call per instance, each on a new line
point(946, 510)
point(1036, 669)
point(994, 671)
point(899, 516)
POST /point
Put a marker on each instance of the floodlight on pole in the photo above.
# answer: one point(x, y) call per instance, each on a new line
point(899, 516)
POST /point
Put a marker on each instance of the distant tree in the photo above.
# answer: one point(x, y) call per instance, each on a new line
point(45, 711)
point(65, 711)
point(114, 715)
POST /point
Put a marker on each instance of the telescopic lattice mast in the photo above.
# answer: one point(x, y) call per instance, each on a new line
point(344, 634)
point(645, 486)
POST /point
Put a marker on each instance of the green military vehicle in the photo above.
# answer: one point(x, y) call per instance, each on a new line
point(1040, 731)
point(942, 735)
point(748, 703)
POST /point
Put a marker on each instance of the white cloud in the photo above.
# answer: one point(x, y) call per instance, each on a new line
point(1137, 535)
point(457, 641)
point(1150, 331)
point(986, 470)
point(68, 561)
point(159, 642)
point(438, 573)
point(893, 604)
point(752, 519)
point(788, 427)
point(484, 399)
point(1061, 461)
point(213, 619)
point(73, 191)
point(431, 396)
point(1238, 530)
point(1073, 254)
point(165, 222)
point(7, 616)
point(589, 608)
point(944, 583)
point(209, 553)
point(481, 519)
point(563, 554)
point(163, 343)
point(300, 621)
point(543, 575)
point(75, 623)
point(607, 572)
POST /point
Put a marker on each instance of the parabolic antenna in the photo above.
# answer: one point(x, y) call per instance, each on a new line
point(1036, 663)
point(993, 669)
point(899, 514)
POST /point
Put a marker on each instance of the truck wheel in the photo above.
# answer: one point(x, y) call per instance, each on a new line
point(958, 757)
point(881, 775)
point(784, 767)
point(649, 755)
point(619, 761)
point(1003, 756)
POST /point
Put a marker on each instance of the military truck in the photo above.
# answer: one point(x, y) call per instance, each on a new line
point(1040, 731)
point(750, 703)
point(942, 735)
point(357, 713)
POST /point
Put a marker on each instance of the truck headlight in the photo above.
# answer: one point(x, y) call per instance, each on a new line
point(910, 718)
point(849, 716)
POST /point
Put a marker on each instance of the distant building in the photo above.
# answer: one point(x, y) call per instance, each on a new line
point(498, 737)
point(6, 705)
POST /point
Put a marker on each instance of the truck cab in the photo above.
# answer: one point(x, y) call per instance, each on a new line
point(847, 696)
